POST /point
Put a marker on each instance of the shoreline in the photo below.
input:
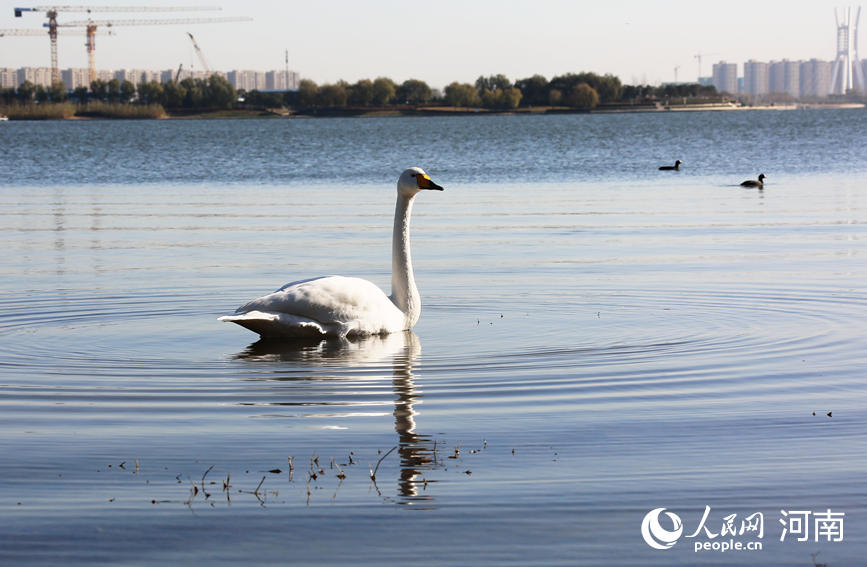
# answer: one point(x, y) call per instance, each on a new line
point(364, 112)
point(610, 109)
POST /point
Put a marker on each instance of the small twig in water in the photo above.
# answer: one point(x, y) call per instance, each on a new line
point(341, 475)
point(373, 472)
point(206, 474)
point(256, 492)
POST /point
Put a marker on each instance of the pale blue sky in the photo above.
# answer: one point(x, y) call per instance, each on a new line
point(449, 40)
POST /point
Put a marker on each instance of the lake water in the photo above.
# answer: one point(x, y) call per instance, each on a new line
point(598, 339)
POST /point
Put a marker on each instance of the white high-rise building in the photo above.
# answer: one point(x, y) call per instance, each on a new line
point(815, 78)
point(784, 77)
point(281, 80)
point(247, 80)
point(8, 78)
point(756, 81)
point(725, 77)
point(80, 77)
point(75, 78)
point(36, 75)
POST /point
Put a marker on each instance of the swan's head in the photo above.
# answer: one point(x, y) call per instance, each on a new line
point(413, 180)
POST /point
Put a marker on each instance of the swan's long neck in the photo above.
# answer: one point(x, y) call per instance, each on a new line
point(404, 294)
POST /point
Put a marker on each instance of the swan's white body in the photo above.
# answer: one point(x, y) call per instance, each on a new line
point(341, 306)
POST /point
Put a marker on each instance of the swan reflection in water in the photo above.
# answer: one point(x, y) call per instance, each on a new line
point(416, 452)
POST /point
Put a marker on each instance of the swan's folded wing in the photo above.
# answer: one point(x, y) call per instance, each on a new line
point(337, 304)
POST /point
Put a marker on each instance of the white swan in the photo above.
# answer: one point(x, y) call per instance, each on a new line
point(340, 306)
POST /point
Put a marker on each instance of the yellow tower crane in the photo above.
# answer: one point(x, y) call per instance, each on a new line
point(91, 27)
point(55, 73)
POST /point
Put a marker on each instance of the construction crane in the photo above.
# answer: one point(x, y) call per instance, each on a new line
point(698, 56)
point(55, 73)
point(92, 26)
point(51, 13)
point(199, 53)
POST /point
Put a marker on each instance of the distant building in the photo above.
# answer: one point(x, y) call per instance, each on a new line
point(78, 77)
point(136, 76)
point(725, 77)
point(247, 80)
point(36, 75)
point(281, 80)
point(784, 77)
point(8, 78)
point(863, 75)
point(168, 75)
point(756, 80)
point(74, 78)
point(815, 78)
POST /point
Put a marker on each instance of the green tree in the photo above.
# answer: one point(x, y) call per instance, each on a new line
point(636, 93)
point(582, 96)
point(461, 94)
point(127, 91)
point(150, 92)
point(361, 93)
point(26, 92)
point(220, 93)
point(501, 98)
point(534, 90)
point(42, 95)
point(307, 91)
point(99, 88)
point(555, 97)
point(384, 90)
point(114, 90)
point(80, 94)
point(609, 88)
point(332, 95)
point(7, 95)
point(510, 98)
point(493, 83)
point(259, 99)
point(195, 93)
point(174, 94)
point(57, 92)
point(413, 91)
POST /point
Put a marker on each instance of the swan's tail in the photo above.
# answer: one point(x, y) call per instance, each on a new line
point(277, 325)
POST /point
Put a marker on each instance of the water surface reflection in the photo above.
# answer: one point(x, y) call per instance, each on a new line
point(373, 356)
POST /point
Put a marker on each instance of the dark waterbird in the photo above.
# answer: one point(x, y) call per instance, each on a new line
point(760, 182)
point(675, 167)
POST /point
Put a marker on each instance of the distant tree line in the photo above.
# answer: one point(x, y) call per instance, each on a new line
point(574, 90)
point(213, 92)
point(498, 92)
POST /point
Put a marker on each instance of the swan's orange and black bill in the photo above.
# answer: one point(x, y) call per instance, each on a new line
point(424, 182)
